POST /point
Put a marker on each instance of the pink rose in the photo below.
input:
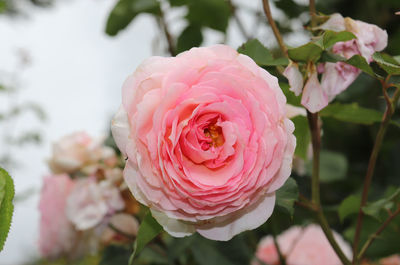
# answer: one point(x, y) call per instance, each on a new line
point(57, 235)
point(207, 141)
point(90, 202)
point(302, 246)
point(391, 260)
point(337, 77)
point(77, 150)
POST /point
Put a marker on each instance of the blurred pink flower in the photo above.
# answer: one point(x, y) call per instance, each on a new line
point(337, 77)
point(302, 246)
point(392, 260)
point(207, 140)
point(90, 202)
point(56, 232)
point(77, 150)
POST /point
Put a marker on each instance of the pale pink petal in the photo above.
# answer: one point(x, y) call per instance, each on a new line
point(120, 129)
point(314, 97)
point(295, 78)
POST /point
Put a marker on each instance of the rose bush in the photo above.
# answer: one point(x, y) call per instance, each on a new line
point(207, 141)
point(302, 246)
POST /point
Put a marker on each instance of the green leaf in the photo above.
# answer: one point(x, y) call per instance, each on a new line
point(256, 51)
point(387, 63)
point(287, 195)
point(352, 113)
point(148, 230)
point(333, 166)
point(331, 57)
point(332, 37)
point(308, 52)
point(374, 209)
point(349, 206)
point(115, 254)
point(6, 207)
point(126, 10)
point(209, 13)
point(362, 64)
point(190, 37)
point(303, 137)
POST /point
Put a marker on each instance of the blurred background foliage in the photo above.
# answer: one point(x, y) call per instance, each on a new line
point(346, 146)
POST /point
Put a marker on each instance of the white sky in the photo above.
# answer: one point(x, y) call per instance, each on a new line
point(75, 76)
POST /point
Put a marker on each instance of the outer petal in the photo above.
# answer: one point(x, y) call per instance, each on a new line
point(120, 129)
point(174, 227)
point(293, 111)
point(314, 98)
point(246, 219)
point(335, 23)
point(295, 78)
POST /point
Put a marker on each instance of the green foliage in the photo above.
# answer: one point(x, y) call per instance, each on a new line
point(203, 13)
point(333, 166)
point(207, 252)
point(352, 113)
point(178, 2)
point(331, 37)
point(349, 206)
point(287, 195)
point(362, 64)
point(260, 54)
point(148, 230)
point(190, 37)
point(379, 208)
point(308, 52)
point(303, 137)
point(115, 254)
point(6, 205)
point(387, 63)
point(126, 10)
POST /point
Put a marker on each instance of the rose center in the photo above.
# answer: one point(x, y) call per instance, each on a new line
point(215, 134)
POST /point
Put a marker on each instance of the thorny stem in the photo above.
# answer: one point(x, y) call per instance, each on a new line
point(315, 189)
point(275, 29)
point(371, 165)
point(377, 233)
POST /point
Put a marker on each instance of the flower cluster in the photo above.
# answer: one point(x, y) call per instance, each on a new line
point(336, 77)
point(83, 197)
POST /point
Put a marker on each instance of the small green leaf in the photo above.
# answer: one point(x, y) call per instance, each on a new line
point(203, 13)
point(287, 195)
point(126, 10)
point(332, 37)
point(352, 113)
point(331, 57)
point(350, 205)
point(190, 37)
point(148, 230)
point(6, 206)
point(362, 64)
point(374, 209)
point(333, 166)
point(256, 51)
point(303, 137)
point(308, 52)
point(387, 63)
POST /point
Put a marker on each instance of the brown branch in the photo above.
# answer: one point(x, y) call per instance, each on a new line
point(168, 36)
point(275, 29)
point(238, 21)
point(371, 167)
point(377, 233)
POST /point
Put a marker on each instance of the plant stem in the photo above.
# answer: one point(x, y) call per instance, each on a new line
point(313, 13)
point(315, 189)
point(168, 36)
point(275, 29)
point(371, 167)
point(377, 233)
point(316, 144)
point(278, 249)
